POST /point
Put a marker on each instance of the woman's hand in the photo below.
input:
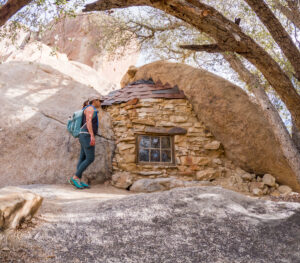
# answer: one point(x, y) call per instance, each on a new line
point(92, 143)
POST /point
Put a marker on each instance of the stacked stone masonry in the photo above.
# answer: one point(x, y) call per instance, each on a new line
point(198, 155)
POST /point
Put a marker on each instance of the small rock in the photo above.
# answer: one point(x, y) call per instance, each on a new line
point(214, 145)
point(5, 249)
point(150, 173)
point(151, 185)
point(122, 180)
point(259, 185)
point(64, 249)
point(275, 193)
point(257, 191)
point(284, 189)
point(265, 190)
point(258, 179)
point(217, 161)
point(247, 177)
point(207, 174)
point(269, 180)
point(242, 187)
point(238, 179)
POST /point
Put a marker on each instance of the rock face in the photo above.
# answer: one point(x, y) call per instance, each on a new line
point(16, 206)
point(199, 224)
point(227, 111)
point(79, 38)
point(38, 94)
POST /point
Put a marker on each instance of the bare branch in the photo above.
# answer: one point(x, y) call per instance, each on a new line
point(278, 32)
point(227, 35)
point(10, 8)
point(213, 48)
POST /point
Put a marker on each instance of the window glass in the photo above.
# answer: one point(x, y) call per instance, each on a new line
point(145, 142)
point(155, 142)
point(144, 155)
point(166, 156)
point(165, 142)
point(155, 156)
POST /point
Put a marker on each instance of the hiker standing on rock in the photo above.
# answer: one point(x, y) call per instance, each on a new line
point(87, 134)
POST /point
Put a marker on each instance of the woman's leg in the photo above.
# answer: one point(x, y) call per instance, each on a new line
point(81, 157)
point(89, 152)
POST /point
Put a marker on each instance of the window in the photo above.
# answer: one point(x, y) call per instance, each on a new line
point(155, 149)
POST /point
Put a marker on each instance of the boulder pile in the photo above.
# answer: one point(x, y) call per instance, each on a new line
point(237, 180)
point(257, 185)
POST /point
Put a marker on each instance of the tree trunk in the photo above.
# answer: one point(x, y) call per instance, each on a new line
point(284, 139)
point(278, 33)
point(228, 36)
point(296, 136)
point(10, 8)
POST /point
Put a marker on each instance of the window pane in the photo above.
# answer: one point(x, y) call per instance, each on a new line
point(145, 141)
point(155, 156)
point(155, 142)
point(143, 155)
point(165, 142)
point(166, 156)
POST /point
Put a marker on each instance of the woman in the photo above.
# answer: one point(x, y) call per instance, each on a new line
point(87, 140)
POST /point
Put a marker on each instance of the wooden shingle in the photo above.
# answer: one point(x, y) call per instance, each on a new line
point(143, 89)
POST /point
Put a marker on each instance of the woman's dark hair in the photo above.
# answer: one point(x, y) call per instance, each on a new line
point(85, 103)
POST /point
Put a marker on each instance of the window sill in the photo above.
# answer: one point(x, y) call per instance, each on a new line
point(161, 165)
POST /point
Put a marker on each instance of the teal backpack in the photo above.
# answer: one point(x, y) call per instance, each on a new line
point(74, 123)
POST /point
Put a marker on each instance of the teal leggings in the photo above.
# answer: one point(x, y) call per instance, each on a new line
point(87, 154)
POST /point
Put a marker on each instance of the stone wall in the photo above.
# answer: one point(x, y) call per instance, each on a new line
point(198, 155)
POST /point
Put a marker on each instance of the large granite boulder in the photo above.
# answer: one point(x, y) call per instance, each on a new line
point(80, 38)
point(38, 92)
point(198, 224)
point(230, 115)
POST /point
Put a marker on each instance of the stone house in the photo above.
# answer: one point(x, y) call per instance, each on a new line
point(158, 134)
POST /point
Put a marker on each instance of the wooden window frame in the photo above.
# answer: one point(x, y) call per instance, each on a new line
point(138, 138)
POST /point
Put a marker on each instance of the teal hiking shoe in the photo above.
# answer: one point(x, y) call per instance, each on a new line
point(83, 184)
point(76, 183)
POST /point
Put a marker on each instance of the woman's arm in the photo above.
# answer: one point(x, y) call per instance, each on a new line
point(89, 116)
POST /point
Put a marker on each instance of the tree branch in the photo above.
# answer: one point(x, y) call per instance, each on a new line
point(10, 8)
point(227, 34)
point(278, 32)
point(293, 14)
point(212, 48)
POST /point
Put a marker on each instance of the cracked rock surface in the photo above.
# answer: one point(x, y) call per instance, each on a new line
point(197, 224)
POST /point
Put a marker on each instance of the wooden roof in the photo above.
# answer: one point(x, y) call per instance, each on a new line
point(143, 89)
